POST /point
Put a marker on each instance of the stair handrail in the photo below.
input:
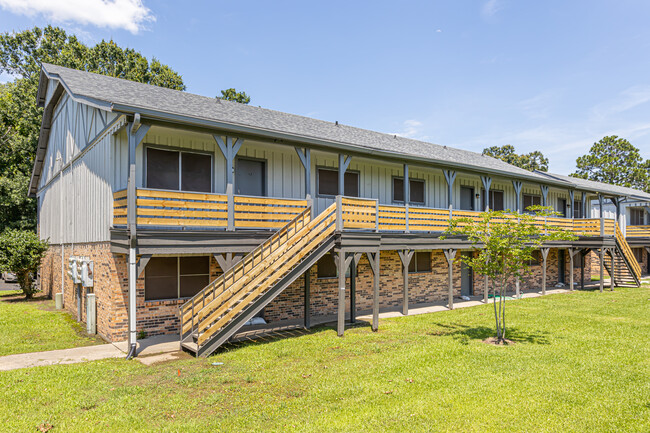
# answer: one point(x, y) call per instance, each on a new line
point(627, 253)
point(313, 232)
point(190, 306)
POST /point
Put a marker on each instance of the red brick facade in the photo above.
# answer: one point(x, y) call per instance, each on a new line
point(161, 317)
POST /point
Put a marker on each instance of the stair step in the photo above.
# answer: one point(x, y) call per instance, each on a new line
point(191, 346)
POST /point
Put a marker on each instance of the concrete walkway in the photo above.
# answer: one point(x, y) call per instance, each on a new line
point(150, 350)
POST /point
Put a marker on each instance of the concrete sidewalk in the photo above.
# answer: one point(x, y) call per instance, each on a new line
point(442, 306)
point(150, 350)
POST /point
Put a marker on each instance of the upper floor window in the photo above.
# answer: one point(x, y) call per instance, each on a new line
point(328, 182)
point(416, 190)
point(496, 200)
point(178, 170)
point(531, 200)
point(466, 198)
point(636, 217)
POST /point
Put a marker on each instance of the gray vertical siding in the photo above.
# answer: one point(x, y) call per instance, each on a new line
point(81, 196)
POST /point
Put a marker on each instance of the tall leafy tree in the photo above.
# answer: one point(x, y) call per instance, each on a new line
point(616, 161)
point(21, 56)
point(233, 95)
point(529, 161)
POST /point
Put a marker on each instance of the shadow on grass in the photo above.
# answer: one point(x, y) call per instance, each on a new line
point(270, 336)
point(465, 333)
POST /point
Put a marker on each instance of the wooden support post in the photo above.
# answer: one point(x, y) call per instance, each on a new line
point(517, 184)
point(602, 268)
point(450, 254)
point(305, 159)
point(602, 220)
point(544, 189)
point(450, 177)
point(339, 213)
point(229, 151)
point(487, 183)
point(583, 253)
point(572, 199)
point(307, 298)
point(405, 256)
point(544, 257)
point(583, 211)
point(373, 258)
point(341, 307)
point(612, 254)
point(342, 263)
point(344, 163)
point(353, 286)
point(571, 252)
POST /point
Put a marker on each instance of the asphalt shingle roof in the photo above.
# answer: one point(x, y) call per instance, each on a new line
point(111, 92)
point(590, 185)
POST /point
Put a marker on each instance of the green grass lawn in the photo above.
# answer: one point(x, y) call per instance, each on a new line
point(581, 362)
point(34, 325)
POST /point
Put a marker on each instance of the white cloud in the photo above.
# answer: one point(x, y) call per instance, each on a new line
point(411, 129)
point(130, 15)
point(490, 8)
point(5, 78)
point(439, 31)
point(626, 100)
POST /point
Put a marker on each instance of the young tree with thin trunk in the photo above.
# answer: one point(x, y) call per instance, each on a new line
point(505, 242)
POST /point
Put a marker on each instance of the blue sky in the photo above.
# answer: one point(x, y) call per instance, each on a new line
point(553, 76)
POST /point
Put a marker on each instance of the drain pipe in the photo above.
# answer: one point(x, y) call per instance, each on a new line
point(133, 139)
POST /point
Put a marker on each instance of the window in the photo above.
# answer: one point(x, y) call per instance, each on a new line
point(561, 207)
point(636, 217)
point(416, 187)
point(175, 277)
point(638, 254)
point(466, 198)
point(496, 200)
point(531, 200)
point(176, 170)
point(328, 182)
point(577, 209)
point(325, 267)
point(420, 262)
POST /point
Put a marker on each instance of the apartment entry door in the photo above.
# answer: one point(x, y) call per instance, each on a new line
point(250, 177)
point(466, 276)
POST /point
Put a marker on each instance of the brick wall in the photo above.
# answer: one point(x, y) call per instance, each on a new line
point(161, 317)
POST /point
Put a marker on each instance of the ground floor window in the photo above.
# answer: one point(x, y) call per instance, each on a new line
point(420, 262)
point(326, 267)
point(175, 277)
point(638, 254)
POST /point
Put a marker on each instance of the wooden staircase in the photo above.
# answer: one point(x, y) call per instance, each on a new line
point(626, 269)
point(214, 314)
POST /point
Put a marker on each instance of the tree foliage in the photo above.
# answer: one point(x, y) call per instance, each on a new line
point(504, 242)
point(530, 161)
point(21, 252)
point(21, 55)
point(233, 95)
point(616, 161)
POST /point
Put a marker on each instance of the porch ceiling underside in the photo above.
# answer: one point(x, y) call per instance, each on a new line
point(215, 242)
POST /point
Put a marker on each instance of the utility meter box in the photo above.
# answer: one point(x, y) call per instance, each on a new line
point(73, 270)
point(87, 274)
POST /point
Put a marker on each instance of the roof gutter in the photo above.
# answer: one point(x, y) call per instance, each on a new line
point(210, 124)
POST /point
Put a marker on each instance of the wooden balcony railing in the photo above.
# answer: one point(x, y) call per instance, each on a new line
point(637, 231)
point(160, 208)
point(369, 215)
